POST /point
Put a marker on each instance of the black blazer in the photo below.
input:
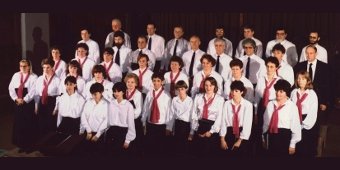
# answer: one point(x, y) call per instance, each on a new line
point(321, 82)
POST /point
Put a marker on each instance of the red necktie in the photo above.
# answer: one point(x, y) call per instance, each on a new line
point(128, 97)
point(273, 126)
point(140, 86)
point(82, 63)
point(107, 69)
point(265, 98)
point(155, 115)
point(22, 84)
point(56, 65)
point(44, 95)
point(172, 84)
point(236, 130)
point(206, 106)
point(299, 103)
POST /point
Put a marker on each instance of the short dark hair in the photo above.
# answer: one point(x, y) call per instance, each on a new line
point(213, 81)
point(96, 87)
point(109, 50)
point(74, 63)
point(209, 58)
point(236, 62)
point(273, 60)
point(279, 47)
point(83, 45)
point(283, 85)
point(48, 61)
point(238, 85)
point(99, 69)
point(143, 56)
point(178, 60)
point(157, 75)
point(119, 34)
point(248, 26)
point(181, 84)
point(119, 87)
point(70, 79)
point(55, 47)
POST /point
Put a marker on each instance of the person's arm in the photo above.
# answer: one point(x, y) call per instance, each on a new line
point(131, 133)
point(295, 128)
point(313, 108)
point(172, 116)
point(247, 122)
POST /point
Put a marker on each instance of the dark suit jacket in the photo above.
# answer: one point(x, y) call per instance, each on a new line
point(321, 82)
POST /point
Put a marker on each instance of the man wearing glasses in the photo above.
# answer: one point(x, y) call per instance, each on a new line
point(291, 56)
point(314, 39)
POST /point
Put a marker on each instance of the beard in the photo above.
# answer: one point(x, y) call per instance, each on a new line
point(313, 42)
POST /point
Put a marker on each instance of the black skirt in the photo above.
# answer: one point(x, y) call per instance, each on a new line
point(47, 121)
point(69, 125)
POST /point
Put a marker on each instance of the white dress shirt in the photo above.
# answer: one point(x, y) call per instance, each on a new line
point(61, 69)
point(259, 90)
point(257, 67)
point(138, 101)
point(163, 101)
point(291, 56)
point(157, 46)
point(288, 119)
point(123, 57)
point(30, 84)
point(215, 111)
point(286, 72)
point(187, 56)
point(199, 77)
point(133, 58)
point(86, 68)
point(69, 106)
point(53, 87)
point(147, 81)
point(94, 52)
point(167, 80)
point(94, 117)
point(224, 68)
point(247, 84)
point(80, 85)
point(115, 73)
point(109, 40)
point(180, 110)
point(182, 47)
point(259, 48)
point(245, 117)
point(228, 47)
point(309, 107)
point(321, 54)
point(107, 94)
point(122, 115)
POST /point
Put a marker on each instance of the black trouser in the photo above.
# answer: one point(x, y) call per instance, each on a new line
point(230, 138)
point(115, 138)
point(278, 143)
point(206, 147)
point(47, 121)
point(137, 146)
point(90, 148)
point(69, 125)
point(155, 139)
point(307, 147)
point(182, 131)
point(25, 126)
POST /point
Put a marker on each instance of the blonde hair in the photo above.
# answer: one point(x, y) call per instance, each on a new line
point(28, 62)
point(305, 75)
point(133, 76)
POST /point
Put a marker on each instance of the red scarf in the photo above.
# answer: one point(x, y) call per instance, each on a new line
point(56, 65)
point(273, 126)
point(44, 95)
point(82, 63)
point(155, 115)
point(236, 130)
point(22, 84)
point(140, 86)
point(206, 106)
point(107, 69)
point(266, 92)
point(128, 97)
point(172, 84)
point(299, 103)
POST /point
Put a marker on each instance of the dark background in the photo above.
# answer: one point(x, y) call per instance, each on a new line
point(65, 30)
